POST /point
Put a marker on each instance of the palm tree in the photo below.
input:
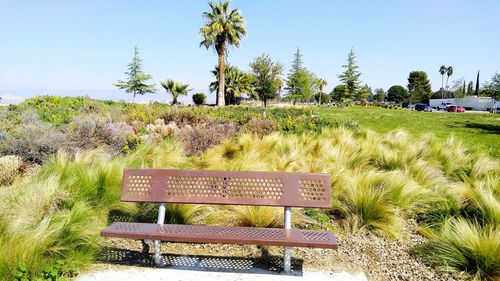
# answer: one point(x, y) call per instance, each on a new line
point(449, 72)
point(320, 83)
point(223, 27)
point(442, 70)
point(236, 83)
point(175, 89)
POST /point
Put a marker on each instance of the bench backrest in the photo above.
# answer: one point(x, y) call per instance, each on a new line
point(227, 187)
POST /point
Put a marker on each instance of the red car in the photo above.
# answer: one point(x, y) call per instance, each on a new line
point(455, 108)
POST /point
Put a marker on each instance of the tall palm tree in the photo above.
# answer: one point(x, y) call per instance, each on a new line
point(222, 27)
point(175, 89)
point(449, 72)
point(320, 83)
point(442, 70)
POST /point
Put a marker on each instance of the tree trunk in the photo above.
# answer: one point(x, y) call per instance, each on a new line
point(265, 102)
point(222, 68)
point(442, 82)
point(447, 77)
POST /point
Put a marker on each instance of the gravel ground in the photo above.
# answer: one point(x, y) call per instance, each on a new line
point(378, 257)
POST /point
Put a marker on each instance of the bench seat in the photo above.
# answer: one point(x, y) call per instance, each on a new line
point(222, 235)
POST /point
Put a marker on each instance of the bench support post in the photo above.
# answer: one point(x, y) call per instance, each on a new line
point(287, 250)
point(161, 220)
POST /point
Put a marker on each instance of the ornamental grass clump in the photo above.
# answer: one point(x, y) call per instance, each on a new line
point(463, 245)
point(56, 214)
point(9, 169)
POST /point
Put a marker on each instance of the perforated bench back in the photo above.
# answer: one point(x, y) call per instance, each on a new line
point(227, 187)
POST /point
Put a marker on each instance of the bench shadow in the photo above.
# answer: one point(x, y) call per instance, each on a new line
point(266, 264)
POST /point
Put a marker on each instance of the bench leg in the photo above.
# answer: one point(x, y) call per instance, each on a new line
point(157, 255)
point(287, 267)
point(161, 220)
point(287, 250)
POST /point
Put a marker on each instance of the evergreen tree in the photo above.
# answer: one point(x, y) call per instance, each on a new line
point(379, 95)
point(470, 88)
point(397, 94)
point(350, 77)
point(299, 81)
point(477, 84)
point(364, 93)
point(340, 93)
point(136, 82)
point(419, 87)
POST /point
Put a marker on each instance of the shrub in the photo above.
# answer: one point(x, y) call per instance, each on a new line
point(261, 127)
point(32, 140)
point(158, 131)
point(146, 113)
point(199, 138)
point(465, 246)
point(89, 132)
point(9, 169)
point(59, 110)
point(199, 98)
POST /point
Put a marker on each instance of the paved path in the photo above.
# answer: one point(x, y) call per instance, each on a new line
point(193, 275)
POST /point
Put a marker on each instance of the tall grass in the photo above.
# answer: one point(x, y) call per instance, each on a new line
point(58, 213)
point(377, 182)
point(465, 246)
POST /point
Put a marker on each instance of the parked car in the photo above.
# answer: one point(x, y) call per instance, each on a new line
point(444, 106)
point(407, 105)
point(423, 107)
point(455, 108)
point(494, 110)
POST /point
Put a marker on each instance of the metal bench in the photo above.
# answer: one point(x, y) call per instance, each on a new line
point(227, 188)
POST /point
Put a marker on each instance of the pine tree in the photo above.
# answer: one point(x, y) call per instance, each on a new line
point(419, 87)
point(350, 77)
point(470, 88)
point(136, 83)
point(299, 80)
point(477, 85)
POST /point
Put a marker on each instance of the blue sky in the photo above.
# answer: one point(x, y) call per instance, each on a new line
point(83, 47)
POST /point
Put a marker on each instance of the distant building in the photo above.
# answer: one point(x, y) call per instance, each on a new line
point(469, 102)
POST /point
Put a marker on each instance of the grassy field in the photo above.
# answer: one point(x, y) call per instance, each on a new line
point(478, 130)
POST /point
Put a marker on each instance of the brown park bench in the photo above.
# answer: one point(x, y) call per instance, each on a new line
point(225, 188)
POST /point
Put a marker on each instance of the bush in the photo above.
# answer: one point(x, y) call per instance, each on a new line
point(92, 131)
point(158, 131)
point(32, 140)
point(465, 246)
point(261, 127)
point(61, 110)
point(9, 169)
point(199, 98)
point(201, 137)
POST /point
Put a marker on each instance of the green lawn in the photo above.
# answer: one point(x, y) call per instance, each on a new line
point(478, 130)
